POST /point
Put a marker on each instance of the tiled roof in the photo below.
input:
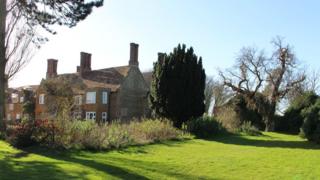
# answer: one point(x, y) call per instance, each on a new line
point(110, 78)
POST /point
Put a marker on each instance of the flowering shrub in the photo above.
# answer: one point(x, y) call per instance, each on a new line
point(20, 134)
point(44, 131)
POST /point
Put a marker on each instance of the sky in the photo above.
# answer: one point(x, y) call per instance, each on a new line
point(216, 29)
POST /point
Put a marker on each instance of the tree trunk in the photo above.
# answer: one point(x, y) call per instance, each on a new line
point(3, 15)
point(269, 118)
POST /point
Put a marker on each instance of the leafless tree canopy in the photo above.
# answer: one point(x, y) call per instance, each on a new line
point(272, 77)
point(21, 41)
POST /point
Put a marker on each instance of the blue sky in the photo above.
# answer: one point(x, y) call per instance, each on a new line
point(217, 30)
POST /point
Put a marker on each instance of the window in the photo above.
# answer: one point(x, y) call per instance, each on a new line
point(90, 115)
point(8, 117)
point(11, 107)
point(18, 116)
point(21, 99)
point(104, 117)
point(15, 98)
point(41, 99)
point(78, 100)
point(77, 115)
point(104, 97)
point(91, 98)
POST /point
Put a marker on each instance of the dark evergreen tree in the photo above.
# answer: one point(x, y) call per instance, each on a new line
point(177, 87)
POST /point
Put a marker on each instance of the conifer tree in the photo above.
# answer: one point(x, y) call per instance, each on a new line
point(177, 87)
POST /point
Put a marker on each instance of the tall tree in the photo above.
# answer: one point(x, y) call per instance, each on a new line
point(177, 87)
point(43, 13)
point(265, 81)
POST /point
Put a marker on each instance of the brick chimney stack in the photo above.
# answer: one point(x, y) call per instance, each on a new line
point(134, 54)
point(85, 62)
point(52, 68)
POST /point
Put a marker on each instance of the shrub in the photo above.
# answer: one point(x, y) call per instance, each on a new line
point(148, 131)
point(311, 125)
point(204, 127)
point(234, 113)
point(228, 118)
point(292, 120)
point(90, 135)
point(19, 134)
point(248, 129)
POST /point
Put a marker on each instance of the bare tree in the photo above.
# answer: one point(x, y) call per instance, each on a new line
point(21, 41)
point(265, 81)
point(221, 93)
point(43, 13)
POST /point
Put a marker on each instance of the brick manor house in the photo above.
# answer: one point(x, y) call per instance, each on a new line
point(101, 95)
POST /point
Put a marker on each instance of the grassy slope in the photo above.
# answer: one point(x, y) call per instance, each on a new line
point(273, 156)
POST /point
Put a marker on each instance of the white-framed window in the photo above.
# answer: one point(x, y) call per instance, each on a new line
point(41, 99)
point(104, 97)
point(77, 115)
point(11, 107)
point(21, 99)
point(78, 99)
point(8, 117)
point(18, 116)
point(90, 115)
point(15, 97)
point(91, 98)
point(104, 117)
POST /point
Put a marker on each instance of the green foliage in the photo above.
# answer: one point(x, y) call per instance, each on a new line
point(28, 106)
point(311, 125)
point(177, 87)
point(292, 120)
point(49, 13)
point(248, 129)
point(205, 127)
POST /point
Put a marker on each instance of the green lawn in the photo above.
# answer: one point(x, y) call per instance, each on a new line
point(272, 156)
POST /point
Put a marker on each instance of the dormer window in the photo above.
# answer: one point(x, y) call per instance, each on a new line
point(91, 98)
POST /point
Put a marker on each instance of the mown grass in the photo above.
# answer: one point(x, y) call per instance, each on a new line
point(271, 156)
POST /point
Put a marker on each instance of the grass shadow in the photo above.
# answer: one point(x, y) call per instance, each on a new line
point(12, 168)
point(73, 157)
point(272, 143)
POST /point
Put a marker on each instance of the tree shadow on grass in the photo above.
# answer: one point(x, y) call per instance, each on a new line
point(116, 167)
point(72, 157)
point(272, 143)
point(13, 168)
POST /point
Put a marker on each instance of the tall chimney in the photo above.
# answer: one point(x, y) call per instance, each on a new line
point(134, 54)
point(85, 62)
point(52, 68)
